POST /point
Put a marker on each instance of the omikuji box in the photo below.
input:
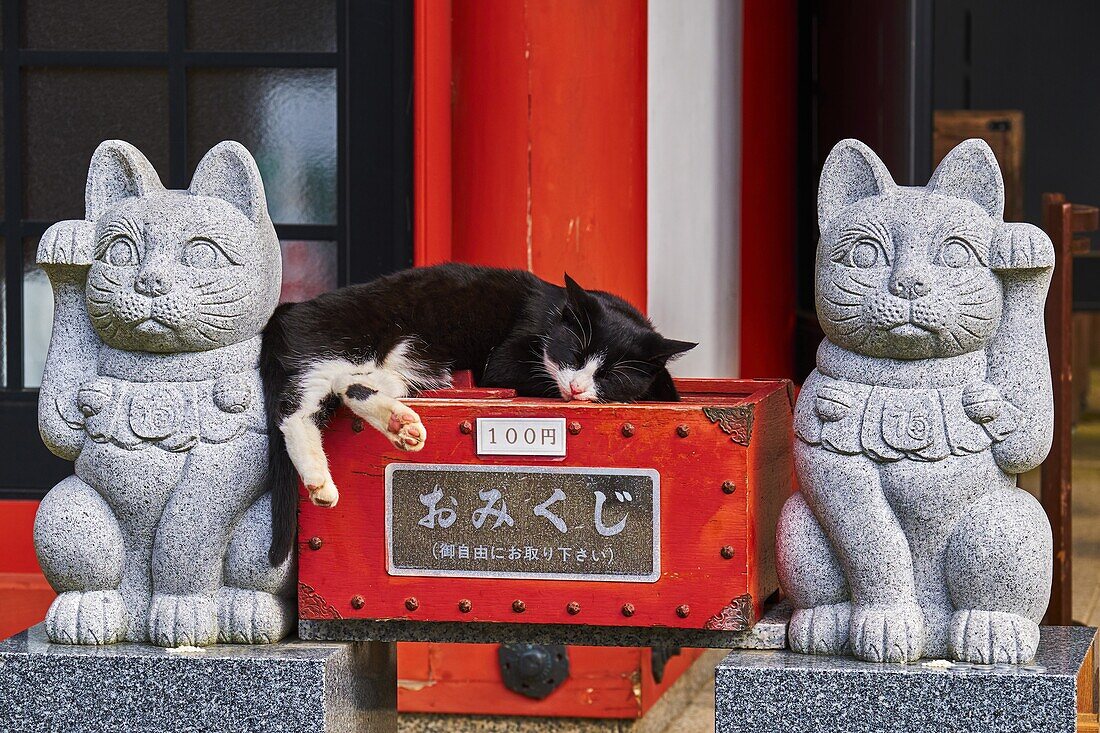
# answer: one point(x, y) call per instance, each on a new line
point(652, 522)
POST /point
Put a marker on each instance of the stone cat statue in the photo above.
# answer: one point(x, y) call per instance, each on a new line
point(151, 386)
point(909, 536)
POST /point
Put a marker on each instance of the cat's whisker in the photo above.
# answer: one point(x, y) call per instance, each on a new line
point(231, 301)
point(108, 278)
point(977, 302)
point(847, 318)
point(961, 283)
point(856, 280)
point(218, 326)
point(974, 317)
point(976, 336)
point(973, 290)
point(846, 290)
point(841, 303)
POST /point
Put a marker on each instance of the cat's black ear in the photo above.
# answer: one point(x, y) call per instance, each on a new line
point(577, 294)
point(970, 172)
point(229, 173)
point(671, 348)
point(663, 389)
point(852, 172)
point(118, 171)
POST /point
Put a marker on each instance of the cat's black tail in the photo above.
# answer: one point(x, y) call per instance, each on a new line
point(282, 479)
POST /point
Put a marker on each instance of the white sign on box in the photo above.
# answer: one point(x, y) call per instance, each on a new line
point(533, 436)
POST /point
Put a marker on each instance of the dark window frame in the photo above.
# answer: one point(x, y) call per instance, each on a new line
point(373, 229)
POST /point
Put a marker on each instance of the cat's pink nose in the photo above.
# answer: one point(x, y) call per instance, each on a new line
point(575, 389)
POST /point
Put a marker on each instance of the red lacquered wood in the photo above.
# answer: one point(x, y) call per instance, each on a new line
point(769, 172)
point(431, 132)
point(17, 537)
point(603, 682)
point(698, 517)
point(549, 139)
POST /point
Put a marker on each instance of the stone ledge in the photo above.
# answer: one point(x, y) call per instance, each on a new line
point(290, 686)
point(781, 691)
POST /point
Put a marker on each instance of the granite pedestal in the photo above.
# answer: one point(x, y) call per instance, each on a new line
point(285, 687)
point(783, 691)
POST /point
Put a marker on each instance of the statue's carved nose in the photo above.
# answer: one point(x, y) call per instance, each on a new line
point(152, 284)
point(909, 286)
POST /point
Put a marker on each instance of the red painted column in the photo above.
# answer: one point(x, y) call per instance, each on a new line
point(432, 131)
point(769, 145)
point(549, 138)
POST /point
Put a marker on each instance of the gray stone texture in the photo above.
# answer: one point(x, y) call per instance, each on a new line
point(151, 386)
point(780, 692)
point(288, 686)
point(909, 536)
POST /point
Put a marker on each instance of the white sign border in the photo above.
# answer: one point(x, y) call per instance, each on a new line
point(651, 473)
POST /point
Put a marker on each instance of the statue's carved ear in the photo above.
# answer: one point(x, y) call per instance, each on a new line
point(970, 171)
point(852, 172)
point(118, 171)
point(229, 173)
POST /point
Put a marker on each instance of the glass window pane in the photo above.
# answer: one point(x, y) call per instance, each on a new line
point(285, 25)
point(309, 269)
point(68, 112)
point(287, 118)
point(114, 25)
point(37, 315)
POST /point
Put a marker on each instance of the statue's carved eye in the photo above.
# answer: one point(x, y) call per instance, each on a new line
point(955, 252)
point(122, 252)
point(204, 254)
point(865, 254)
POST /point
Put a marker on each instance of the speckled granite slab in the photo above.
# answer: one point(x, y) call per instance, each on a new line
point(287, 687)
point(783, 691)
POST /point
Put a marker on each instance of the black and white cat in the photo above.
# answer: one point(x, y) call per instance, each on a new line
point(369, 345)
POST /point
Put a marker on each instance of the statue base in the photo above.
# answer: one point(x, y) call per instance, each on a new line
point(290, 686)
point(782, 691)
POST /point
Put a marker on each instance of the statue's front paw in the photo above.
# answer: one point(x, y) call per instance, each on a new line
point(253, 617)
point(887, 632)
point(86, 617)
point(820, 630)
point(992, 637)
point(982, 403)
point(190, 620)
point(832, 403)
point(67, 243)
point(1019, 246)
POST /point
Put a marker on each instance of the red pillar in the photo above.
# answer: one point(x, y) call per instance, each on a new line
point(769, 145)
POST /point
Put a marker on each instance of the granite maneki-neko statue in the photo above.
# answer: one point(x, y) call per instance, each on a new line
point(909, 536)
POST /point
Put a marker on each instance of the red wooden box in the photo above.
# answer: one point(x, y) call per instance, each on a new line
point(720, 465)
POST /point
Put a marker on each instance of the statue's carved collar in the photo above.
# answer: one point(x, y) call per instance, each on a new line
point(187, 366)
point(951, 371)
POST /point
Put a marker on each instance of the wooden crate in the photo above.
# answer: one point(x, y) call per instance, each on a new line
point(603, 682)
point(723, 459)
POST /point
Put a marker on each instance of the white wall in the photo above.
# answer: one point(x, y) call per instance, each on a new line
point(693, 201)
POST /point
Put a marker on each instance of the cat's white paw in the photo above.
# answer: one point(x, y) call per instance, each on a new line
point(86, 617)
point(1020, 246)
point(323, 493)
point(887, 632)
point(405, 430)
point(253, 617)
point(992, 637)
point(820, 630)
point(69, 243)
point(190, 620)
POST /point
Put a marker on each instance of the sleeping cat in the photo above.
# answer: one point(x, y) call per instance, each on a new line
point(370, 345)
